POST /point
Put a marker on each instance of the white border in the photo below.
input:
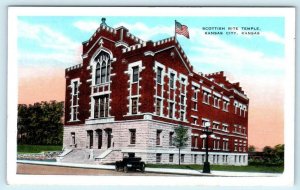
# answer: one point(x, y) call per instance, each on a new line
point(286, 179)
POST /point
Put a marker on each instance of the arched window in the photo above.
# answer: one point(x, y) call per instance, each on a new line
point(102, 72)
point(97, 78)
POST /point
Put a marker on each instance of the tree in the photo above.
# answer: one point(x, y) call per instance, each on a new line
point(40, 123)
point(180, 139)
point(251, 148)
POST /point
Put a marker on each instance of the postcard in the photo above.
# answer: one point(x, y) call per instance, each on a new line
point(106, 95)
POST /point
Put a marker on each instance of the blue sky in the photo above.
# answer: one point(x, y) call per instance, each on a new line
point(44, 40)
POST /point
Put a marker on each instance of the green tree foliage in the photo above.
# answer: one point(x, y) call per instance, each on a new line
point(274, 155)
point(181, 138)
point(251, 148)
point(40, 123)
point(270, 156)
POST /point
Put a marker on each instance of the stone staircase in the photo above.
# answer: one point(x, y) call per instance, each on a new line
point(90, 156)
point(86, 156)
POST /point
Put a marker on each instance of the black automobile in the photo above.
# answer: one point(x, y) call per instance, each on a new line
point(130, 163)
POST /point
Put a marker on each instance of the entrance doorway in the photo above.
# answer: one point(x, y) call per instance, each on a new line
point(109, 137)
point(91, 139)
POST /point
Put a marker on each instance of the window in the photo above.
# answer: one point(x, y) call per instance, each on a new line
point(172, 77)
point(182, 115)
point(182, 157)
point(132, 136)
point(101, 106)
point(194, 105)
point(235, 128)
point(99, 135)
point(195, 94)
point(74, 103)
point(195, 158)
point(134, 105)
point(102, 71)
point(205, 97)
point(158, 158)
point(159, 75)
point(203, 143)
point(225, 127)
point(182, 102)
point(171, 138)
point(171, 105)
point(216, 125)
point(216, 102)
point(158, 106)
point(73, 140)
point(195, 121)
point(235, 147)
point(225, 105)
point(171, 157)
point(135, 74)
point(158, 138)
point(97, 78)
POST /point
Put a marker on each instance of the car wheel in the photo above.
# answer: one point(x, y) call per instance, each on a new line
point(125, 169)
point(143, 168)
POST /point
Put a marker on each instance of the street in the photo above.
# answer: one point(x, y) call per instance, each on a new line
point(33, 169)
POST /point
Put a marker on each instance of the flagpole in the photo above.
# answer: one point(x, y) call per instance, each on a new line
point(175, 30)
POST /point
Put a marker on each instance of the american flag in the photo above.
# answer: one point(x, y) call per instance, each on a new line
point(181, 29)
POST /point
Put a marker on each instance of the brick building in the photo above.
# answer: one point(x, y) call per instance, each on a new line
point(128, 95)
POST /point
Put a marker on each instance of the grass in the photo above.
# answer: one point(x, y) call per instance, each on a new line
point(37, 148)
point(249, 168)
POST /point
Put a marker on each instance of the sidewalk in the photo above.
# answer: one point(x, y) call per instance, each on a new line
point(157, 170)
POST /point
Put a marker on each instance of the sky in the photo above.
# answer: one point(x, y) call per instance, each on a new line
point(49, 44)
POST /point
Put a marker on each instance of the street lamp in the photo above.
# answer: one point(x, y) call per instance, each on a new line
point(207, 132)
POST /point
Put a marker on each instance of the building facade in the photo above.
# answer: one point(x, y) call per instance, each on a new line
point(128, 95)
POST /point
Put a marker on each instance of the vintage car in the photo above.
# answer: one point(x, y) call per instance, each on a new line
point(130, 163)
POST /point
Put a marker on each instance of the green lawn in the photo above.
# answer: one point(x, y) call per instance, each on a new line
point(268, 169)
point(37, 148)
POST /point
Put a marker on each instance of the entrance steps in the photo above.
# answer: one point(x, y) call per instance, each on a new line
point(90, 156)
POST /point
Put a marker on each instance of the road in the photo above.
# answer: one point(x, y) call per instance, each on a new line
point(60, 170)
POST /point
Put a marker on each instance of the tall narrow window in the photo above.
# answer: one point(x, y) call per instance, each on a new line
point(99, 136)
point(158, 140)
point(182, 158)
point(171, 138)
point(171, 105)
point(101, 106)
point(132, 136)
point(172, 78)
point(97, 78)
point(134, 105)
point(203, 143)
point(135, 74)
point(103, 72)
point(171, 157)
point(73, 140)
point(158, 158)
point(74, 101)
point(159, 75)
point(108, 72)
point(158, 106)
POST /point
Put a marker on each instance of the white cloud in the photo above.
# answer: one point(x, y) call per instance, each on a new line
point(272, 37)
point(55, 48)
point(145, 32)
point(216, 53)
point(87, 26)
